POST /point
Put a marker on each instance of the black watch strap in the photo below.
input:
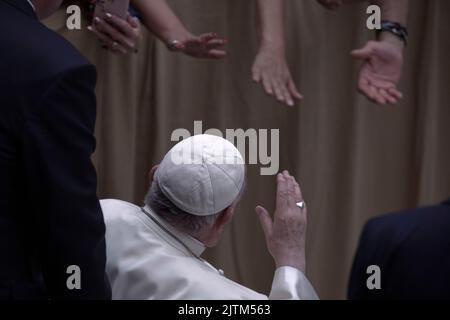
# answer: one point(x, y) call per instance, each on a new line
point(396, 29)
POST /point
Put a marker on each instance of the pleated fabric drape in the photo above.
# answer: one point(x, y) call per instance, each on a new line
point(354, 160)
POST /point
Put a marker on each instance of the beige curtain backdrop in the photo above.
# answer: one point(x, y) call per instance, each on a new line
point(354, 160)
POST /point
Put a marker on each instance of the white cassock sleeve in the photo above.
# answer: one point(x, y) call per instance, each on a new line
point(291, 284)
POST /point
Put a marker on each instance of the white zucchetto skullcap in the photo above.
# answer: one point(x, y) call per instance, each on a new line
point(202, 175)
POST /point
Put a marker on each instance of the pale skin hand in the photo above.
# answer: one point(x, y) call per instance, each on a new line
point(382, 60)
point(285, 234)
point(380, 72)
point(117, 34)
point(158, 17)
point(205, 46)
point(270, 68)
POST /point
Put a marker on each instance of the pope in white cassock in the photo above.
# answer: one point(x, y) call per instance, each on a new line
point(154, 252)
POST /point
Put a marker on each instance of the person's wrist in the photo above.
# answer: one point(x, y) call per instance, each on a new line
point(392, 39)
point(272, 46)
point(177, 33)
point(298, 262)
point(394, 33)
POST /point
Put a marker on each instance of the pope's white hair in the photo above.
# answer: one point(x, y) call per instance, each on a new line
point(176, 217)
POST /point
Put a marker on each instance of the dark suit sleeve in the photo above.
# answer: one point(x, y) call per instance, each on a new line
point(357, 289)
point(61, 185)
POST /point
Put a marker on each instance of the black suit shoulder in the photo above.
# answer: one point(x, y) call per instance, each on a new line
point(31, 52)
point(47, 118)
point(411, 248)
point(392, 228)
point(35, 60)
point(395, 228)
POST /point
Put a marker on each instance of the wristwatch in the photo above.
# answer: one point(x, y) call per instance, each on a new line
point(395, 28)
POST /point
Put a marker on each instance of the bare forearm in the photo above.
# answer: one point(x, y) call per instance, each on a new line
point(271, 24)
point(161, 20)
point(393, 10)
point(270, 67)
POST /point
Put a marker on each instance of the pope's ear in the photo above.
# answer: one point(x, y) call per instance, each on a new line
point(151, 173)
point(225, 217)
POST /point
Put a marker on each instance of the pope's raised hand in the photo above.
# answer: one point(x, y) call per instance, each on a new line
point(285, 234)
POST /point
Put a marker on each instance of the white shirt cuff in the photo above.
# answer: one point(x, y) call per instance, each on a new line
point(291, 284)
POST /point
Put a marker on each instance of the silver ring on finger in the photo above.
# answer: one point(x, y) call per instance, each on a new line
point(301, 204)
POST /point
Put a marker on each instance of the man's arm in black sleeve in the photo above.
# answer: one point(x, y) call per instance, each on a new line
point(357, 288)
point(58, 142)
